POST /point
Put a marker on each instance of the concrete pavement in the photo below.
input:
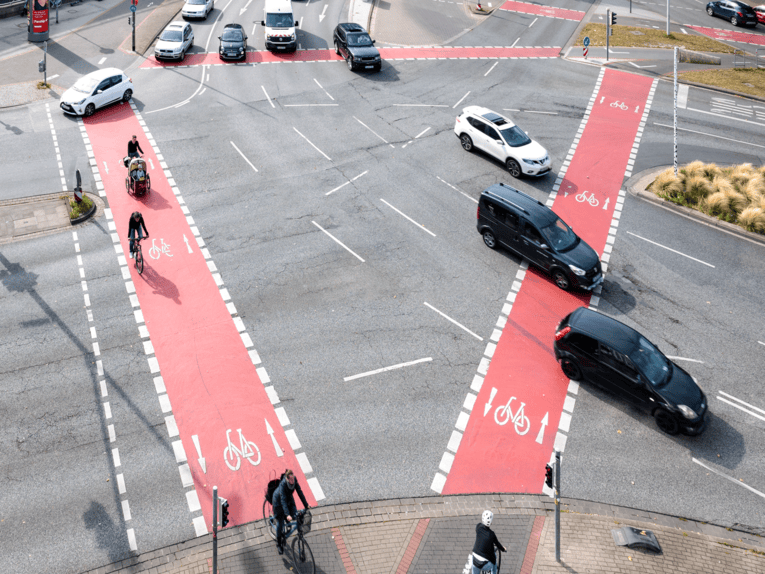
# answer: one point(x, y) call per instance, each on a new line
point(436, 534)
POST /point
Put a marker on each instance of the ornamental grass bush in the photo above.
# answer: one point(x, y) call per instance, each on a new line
point(735, 194)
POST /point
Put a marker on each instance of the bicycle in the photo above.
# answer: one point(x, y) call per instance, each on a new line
point(468, 568)
point(138, 255)
point(300, 552)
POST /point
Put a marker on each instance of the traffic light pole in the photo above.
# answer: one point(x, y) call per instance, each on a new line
point(215, 530)
point(557, 506)
point(608, 30)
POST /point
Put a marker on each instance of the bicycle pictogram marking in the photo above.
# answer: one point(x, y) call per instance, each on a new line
point(247, 450)
point(504, 413)
point(156, 251)
point(620, 105)
point(591, 199)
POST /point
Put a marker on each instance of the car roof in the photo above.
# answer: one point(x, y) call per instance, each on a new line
point(614, 333)
point(176, 24)
point(232, 26)
point(540, 214)
point(351, 27)
point(497, 119)
point(105, 73)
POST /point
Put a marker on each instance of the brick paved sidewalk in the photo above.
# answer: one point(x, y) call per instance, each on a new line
point(436, 534)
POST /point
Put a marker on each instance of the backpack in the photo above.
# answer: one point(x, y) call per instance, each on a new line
point(272, 486)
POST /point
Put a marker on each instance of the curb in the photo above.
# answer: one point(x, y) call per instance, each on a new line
point(84, 216)
point(637, 186)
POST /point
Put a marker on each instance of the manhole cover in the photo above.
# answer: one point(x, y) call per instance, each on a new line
point(636, 33)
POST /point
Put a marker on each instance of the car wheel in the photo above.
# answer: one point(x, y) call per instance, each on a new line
point(666, 422)
point(467, 143)
point(734, 20)
point(513, 167)
point(127, 95)
point(571, 369)
point(710, 11)
point(89, 110)
point(561, 279)
point(489, 239)
point(337, 48)
point(349, 61)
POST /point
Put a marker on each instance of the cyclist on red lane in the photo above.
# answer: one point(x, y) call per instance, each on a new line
point(284, 504)
point(136, 226)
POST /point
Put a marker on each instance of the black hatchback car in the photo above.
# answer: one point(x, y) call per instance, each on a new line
point(520, 223)
point(739, 13)
point(233, 43)
point(354, 44)
point(601, 350)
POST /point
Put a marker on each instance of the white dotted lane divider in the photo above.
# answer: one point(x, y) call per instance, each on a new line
point(120, 477)
point(281, 414)
point(58, 150)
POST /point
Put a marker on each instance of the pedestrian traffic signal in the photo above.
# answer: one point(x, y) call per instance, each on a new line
point(548, 476)
point(41, 66)
point(223, 511)
point(613, 18)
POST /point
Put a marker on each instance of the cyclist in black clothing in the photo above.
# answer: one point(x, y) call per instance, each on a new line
point(284, 504)
point(137, 225)
point(484, 559)
point(134, 147)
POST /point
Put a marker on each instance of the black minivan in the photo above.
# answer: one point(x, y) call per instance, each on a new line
point(520, 223)
point(594, 347)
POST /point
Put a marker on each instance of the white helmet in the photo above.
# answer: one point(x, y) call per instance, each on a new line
point(487, 517)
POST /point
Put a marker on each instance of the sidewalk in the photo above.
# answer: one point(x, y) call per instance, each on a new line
point(436, 534)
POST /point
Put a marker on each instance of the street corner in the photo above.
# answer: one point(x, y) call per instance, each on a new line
point(23, 93)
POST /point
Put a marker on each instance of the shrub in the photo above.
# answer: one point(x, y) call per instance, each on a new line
point(736, 201)
point(693, 169)
point(752, 219)
point(80, 208)
point(721, 184)
point(754, 189)
point(711, 171)
point(667, 184)
point(717, 204)
point(741, 174)
point(696, 188)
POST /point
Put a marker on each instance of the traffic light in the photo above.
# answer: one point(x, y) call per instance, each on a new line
point(223, 511)
point(613, 18)
point(41, 66)
point(548, 476)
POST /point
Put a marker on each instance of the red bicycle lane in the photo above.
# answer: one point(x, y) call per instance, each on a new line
point(217, 397)
point(546, 11)
point(513, 423)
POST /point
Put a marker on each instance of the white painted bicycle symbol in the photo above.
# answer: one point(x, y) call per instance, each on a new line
point(155, 251)
point(247, 449)
point(503, 414)
point(591, 199)
point(621, 105)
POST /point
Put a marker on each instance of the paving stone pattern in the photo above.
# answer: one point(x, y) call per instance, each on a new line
point(377, 548)
point(448, 542)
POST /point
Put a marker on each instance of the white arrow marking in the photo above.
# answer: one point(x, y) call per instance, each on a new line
point(151, 163)
point(322, 13)
point(106, 167)
point(605, 205)
point(243, 10)
point(195, 438)
point(487, 406)
point(541, 434)
point(187, 243)
point(277, 448)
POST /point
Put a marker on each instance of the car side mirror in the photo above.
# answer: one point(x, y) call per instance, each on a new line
point(373, 41)
point(99, 92)
point(262, 22)
point(544, 246)
point(297, 23)
point(219, 37)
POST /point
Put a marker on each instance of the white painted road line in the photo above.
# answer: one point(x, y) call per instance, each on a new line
point(538, 112)
point(407, 217)
point(683, 359)
point(534, 22)
point(384, 369)
point(374, 132)
point(346, 183)
point(516, 41)
point(490, 69)
point(53, 76)
point(309, 141)
point(761, 343)
point(317, 81)
point(725, 476)
point(762, 418)
point(309, 106)
point(421, 133)
point(264, 89)
point(421, 105)
point(726, 117)
point(102, 60)
point(455, 189)
point(709, 135)
point(244, 157)
point(462, 98)
point(453, 321)
point(682, 95)
point(672, 250)
point(340, 243)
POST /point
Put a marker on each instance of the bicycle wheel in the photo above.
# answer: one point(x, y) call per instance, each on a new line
point(499, 560)
point(268, 520)
point(139, 260)
point(302, 557)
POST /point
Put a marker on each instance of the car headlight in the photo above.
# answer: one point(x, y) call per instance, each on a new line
point(82, 101)
point(576, 270)
point(241, 49)
point(292, 37)
point(688, 412)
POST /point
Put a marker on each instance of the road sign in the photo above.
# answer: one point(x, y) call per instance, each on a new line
point(586, 41)
point(132, 7)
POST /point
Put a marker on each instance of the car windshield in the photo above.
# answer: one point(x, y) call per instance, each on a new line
point(515, 137)
point(171, 36)
point(651, 362)
point(86, 85)
point(232, 35)
point(359, 40)
point(197, 2)
point(279, 21)
point(559, 236)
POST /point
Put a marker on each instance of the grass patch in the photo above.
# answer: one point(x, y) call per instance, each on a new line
point(80, 208)
point(744, 80)
point(734, 194)
point(649, 38)
point(42, 85)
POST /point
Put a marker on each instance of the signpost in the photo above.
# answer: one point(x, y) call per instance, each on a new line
point(586, 45)
point(133, 7)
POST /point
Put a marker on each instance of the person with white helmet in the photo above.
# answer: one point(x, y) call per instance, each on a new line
point(484, 559)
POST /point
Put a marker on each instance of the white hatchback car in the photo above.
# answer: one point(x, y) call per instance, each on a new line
point(176, 39)
point(197, 8)
point(498, 136)
point(96, 90)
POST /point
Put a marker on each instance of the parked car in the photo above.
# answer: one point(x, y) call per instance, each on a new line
point(354, 44)
point(233, 42)
point(520, 223)
point(760, 12)
point(595, 348)
point(739, 13)
point(96, 90)
point(197, 8)
point(176, 39)
point(480, 128)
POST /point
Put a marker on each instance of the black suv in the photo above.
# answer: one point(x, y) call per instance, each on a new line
point(354, 44)
point(593, 347)
point(522, 224)
point(739, 13)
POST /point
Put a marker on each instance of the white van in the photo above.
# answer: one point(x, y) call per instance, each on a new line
point(280, 25)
